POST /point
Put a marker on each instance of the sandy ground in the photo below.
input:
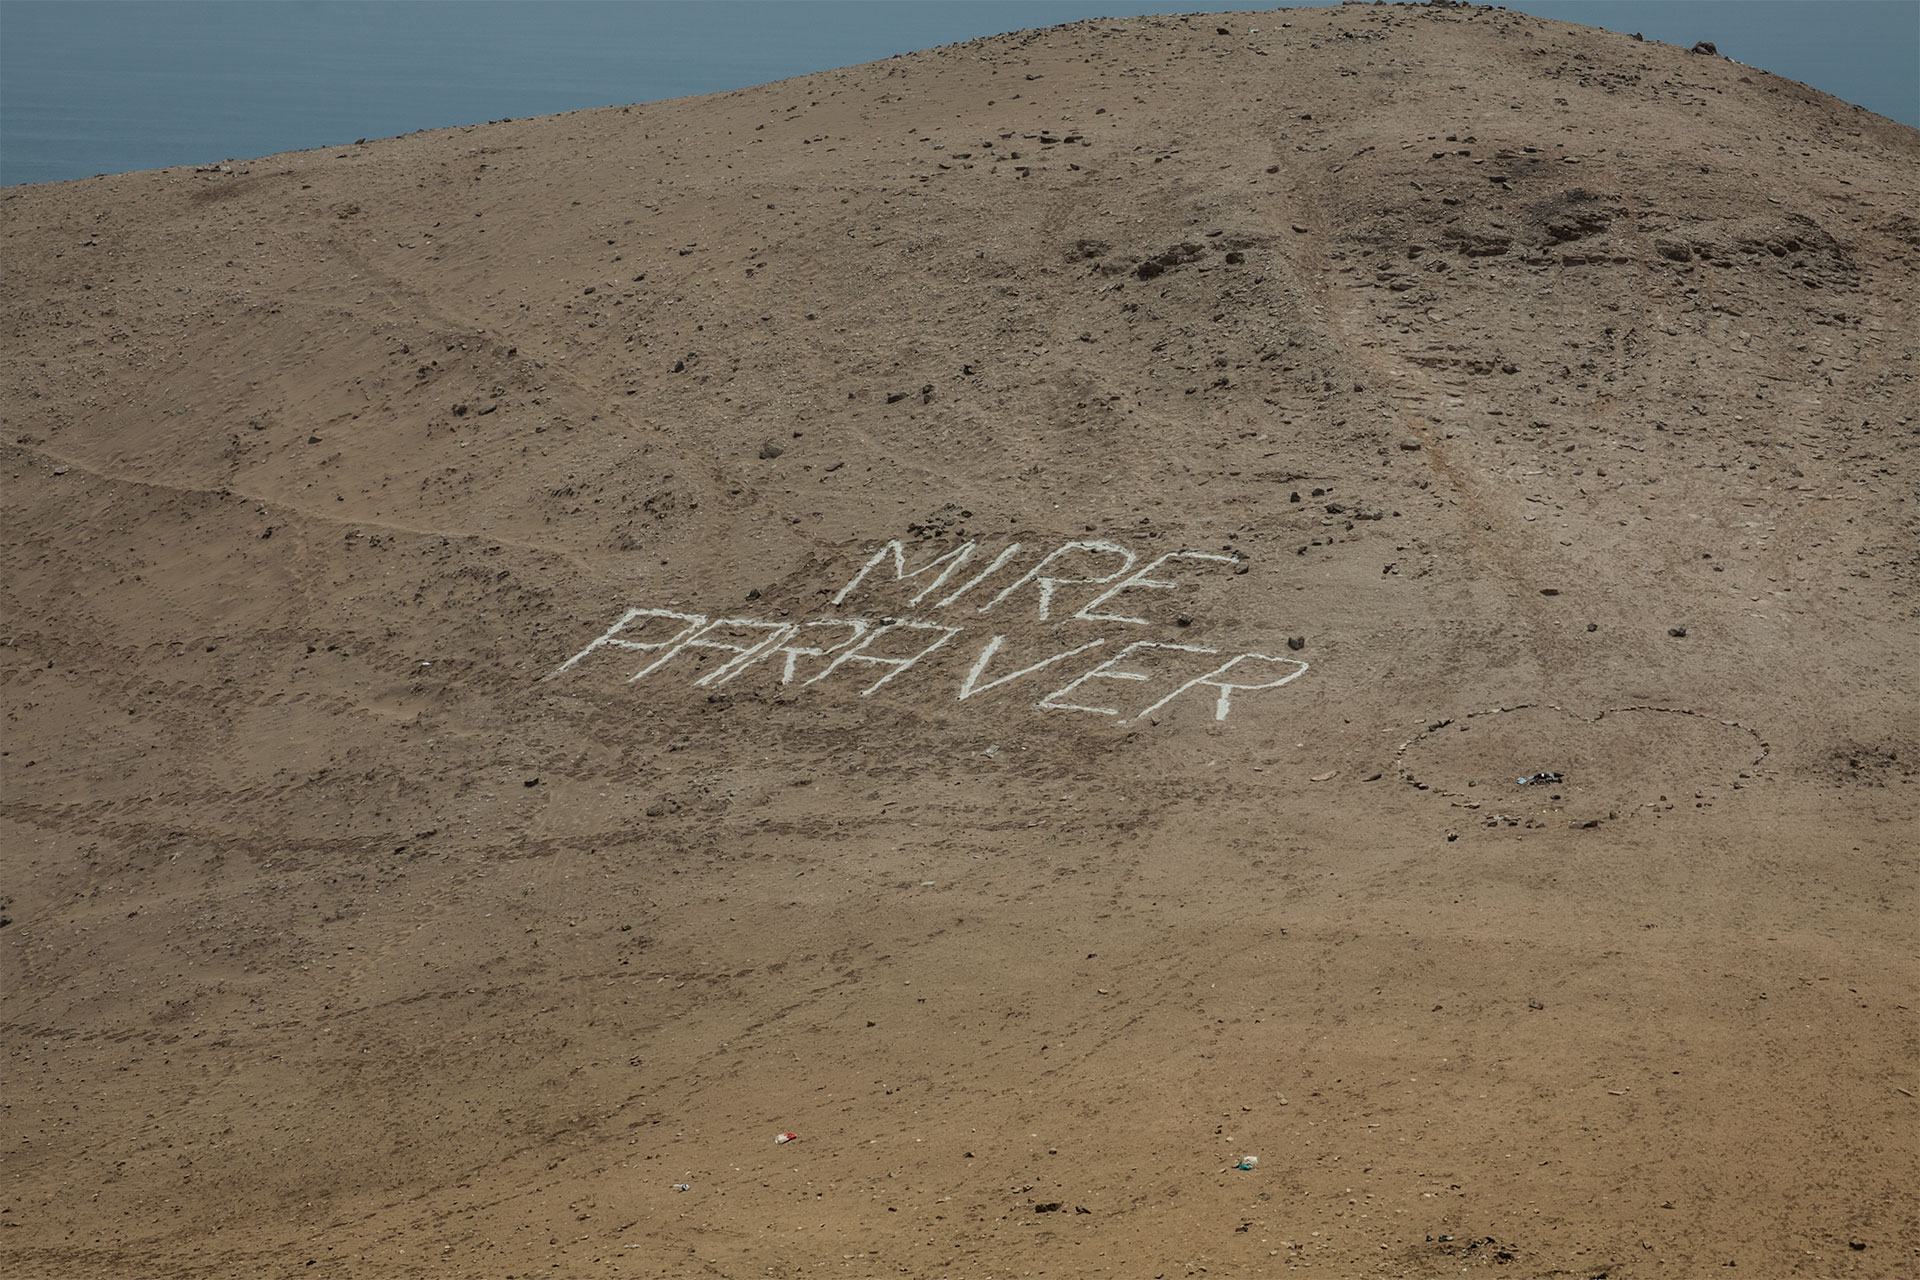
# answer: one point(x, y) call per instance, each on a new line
point(1387, 405)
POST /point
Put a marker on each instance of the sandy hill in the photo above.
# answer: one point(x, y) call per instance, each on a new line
point(1330, 585)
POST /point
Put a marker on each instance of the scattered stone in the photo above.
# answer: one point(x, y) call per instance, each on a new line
point(1411, 446)
point(1296, 643)
point(771, 450)
point(1678, 633)
point(1593, 626)
point(1183, 620)
point(1549, 591)
point(895, 397)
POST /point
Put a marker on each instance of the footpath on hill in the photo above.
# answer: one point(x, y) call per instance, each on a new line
point(1226, 644)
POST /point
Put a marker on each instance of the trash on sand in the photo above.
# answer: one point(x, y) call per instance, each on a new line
point(1534, 778)
point(785, 1137)
point(1248, 1162)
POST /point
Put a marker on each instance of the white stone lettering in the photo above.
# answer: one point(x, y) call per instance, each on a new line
point(705, 638)
point(981, 576)
point(971, 685)
point(1142, 579)
point(898, 665)
point(779, 632)
point(610, 638)
point(809, 650)
point(1213, 680)
point(953, 560)
point(856, 630)
point(1109, 670)
point(1047, 584)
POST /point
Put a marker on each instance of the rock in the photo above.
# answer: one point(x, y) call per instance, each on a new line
point(1678, 633)
point(1411, 446)
point(1549, 591)
point(1183, 620)
point(1296, 643)
point(1703, 46)
point(771, 450)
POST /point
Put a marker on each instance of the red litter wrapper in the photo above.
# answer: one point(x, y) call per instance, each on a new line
point(785, 1137)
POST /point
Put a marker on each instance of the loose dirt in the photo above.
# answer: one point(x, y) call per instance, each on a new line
point(1531, 402)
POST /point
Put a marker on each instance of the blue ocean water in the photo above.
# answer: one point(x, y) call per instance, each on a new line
point(104, 86)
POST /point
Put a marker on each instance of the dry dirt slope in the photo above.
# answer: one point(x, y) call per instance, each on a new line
point(353, 930)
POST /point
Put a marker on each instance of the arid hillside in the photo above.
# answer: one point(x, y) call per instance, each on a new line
point(1334, 585)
